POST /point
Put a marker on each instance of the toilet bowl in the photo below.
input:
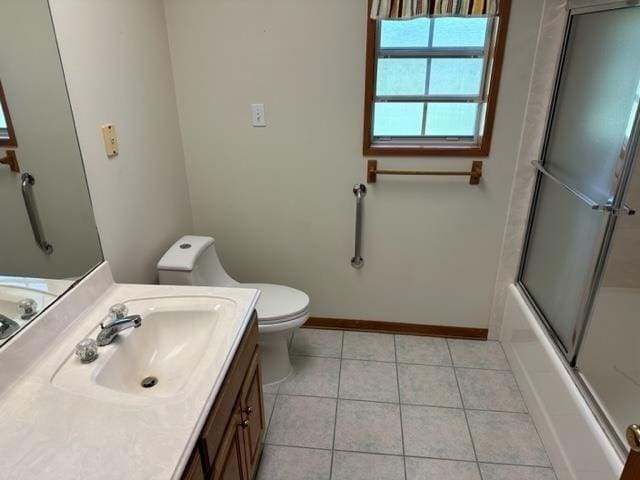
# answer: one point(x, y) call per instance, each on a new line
point(193, 260)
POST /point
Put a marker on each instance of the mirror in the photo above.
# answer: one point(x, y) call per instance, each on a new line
point(48, 234)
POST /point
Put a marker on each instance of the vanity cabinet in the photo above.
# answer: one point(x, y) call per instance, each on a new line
point(230, 443)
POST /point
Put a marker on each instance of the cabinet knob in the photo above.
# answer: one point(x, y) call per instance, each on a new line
point(248, 410)
point(244, 424)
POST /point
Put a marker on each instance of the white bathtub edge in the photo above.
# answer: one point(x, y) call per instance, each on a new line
point(577, 446)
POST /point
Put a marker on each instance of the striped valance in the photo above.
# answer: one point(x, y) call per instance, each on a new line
point(405, 9)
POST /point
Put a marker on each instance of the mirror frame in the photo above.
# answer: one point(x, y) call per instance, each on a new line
point(11, 141)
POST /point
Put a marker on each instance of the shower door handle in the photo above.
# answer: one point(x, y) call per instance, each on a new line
point(34, 216)
point(607, 207)
point(576, 193)
point(623, 210)
point(627, 210)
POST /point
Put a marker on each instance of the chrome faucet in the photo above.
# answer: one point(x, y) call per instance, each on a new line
point(7, 327)
point(119, 321)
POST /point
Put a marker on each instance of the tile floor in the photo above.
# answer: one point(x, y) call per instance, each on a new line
point(367, 406)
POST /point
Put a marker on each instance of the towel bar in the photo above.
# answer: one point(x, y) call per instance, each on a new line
point(474, 175)
point(11, 161)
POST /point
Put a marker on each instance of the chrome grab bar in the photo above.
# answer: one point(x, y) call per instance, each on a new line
point(359, 190)
point(607, 207)
point(32, 210)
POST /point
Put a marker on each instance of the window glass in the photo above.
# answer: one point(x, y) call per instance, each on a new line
point(3, 122)
point(451, 119)
point(455, 76)
point(430, 80)
point(398, 119)
point(405, 33)
point(459, 32)
point(401, 76)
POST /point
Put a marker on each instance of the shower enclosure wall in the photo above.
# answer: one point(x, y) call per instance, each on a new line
point(580, 268)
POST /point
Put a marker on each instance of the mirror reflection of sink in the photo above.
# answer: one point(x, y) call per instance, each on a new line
point(10, 297)
point(160, 357)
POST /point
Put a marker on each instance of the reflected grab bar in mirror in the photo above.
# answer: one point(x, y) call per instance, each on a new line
point(359, 190)
point(32, 210)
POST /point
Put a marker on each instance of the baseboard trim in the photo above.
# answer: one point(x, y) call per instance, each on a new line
point(399, 328)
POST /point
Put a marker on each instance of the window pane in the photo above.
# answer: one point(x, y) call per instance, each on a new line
point(459, 32)
point(404, 33)
point(455, 76)
point(405, 76)
point(397, 119)
point(451, 119)
point(3, 122)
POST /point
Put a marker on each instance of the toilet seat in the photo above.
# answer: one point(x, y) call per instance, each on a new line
point(279, 304)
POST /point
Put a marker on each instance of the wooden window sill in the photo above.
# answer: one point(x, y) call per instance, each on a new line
point(426, 151)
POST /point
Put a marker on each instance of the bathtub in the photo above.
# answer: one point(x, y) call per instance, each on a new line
point(578, 447)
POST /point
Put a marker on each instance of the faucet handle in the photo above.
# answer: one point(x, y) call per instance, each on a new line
point(87, 350)
point(27, 308)
point(118, 311)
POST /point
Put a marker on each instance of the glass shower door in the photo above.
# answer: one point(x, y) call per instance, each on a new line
point(584, 158)
point(608, 361)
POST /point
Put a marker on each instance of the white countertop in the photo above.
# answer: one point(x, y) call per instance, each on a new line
point(48, 432)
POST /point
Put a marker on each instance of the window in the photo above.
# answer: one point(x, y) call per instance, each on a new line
point(432, 84)
point(7, 135)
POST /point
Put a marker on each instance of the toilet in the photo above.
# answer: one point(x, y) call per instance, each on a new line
point(193, 260)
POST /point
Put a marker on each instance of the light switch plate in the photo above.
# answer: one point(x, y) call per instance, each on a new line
point(257, 115)
point(110, 139)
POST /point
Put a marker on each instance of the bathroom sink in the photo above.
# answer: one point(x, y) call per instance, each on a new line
point(161, 357)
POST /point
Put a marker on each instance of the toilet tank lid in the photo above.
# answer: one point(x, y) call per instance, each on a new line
point(183, 254)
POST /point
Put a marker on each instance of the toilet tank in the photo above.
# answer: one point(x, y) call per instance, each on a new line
point(193, 260)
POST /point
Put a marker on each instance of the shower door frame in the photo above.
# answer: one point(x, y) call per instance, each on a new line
point(600, 257)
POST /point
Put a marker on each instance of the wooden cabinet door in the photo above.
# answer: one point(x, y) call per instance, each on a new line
point(230, 462)
point(252, 413)
point(193, 470)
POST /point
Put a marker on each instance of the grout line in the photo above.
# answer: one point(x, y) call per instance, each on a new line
point(525, 465)
point(335, 415)
point(466, 419)
point(273, 408)
point(535, 427)
point(411, 456)
point(451, 365)
point(426, 405)
point(404, 452)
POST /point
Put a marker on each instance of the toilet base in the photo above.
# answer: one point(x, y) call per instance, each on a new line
point(274, 351)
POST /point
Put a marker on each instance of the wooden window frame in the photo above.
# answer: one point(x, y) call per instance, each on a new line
point(480, 149)
point(11, 141)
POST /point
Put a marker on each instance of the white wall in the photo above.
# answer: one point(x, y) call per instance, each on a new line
point(279, 201)
point(34, 85)
point(116, 59)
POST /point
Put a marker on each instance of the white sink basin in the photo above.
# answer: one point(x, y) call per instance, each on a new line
point(176, 335)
